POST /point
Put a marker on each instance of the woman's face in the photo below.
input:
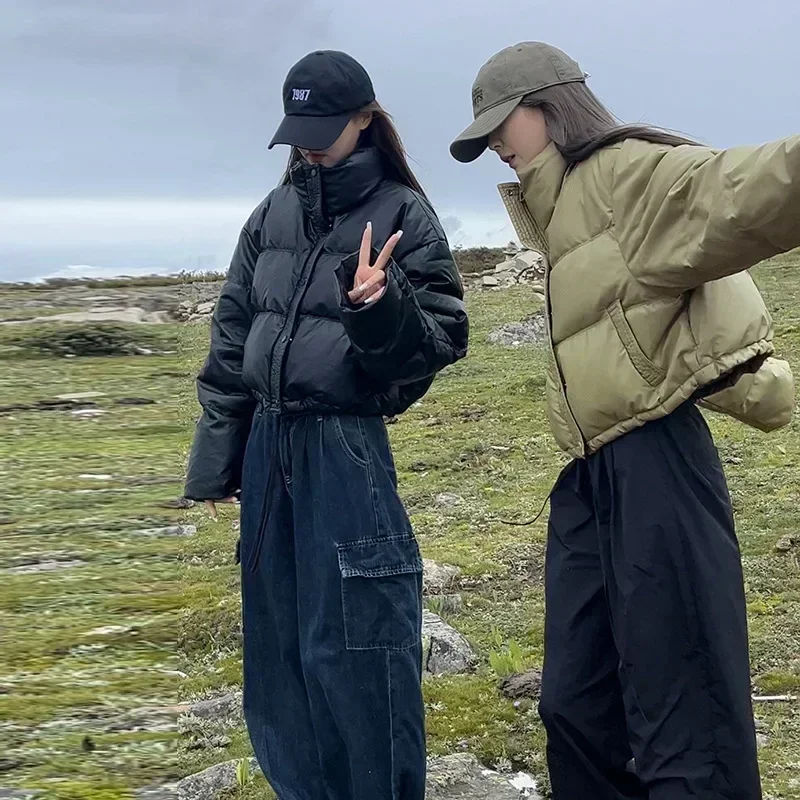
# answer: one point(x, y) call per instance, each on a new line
point(343, 146)
point(521, 138)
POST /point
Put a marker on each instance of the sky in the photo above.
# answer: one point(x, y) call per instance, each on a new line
point(133, 134)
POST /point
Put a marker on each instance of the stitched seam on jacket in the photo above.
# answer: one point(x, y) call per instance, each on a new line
point(269, 249)
point(579, 246)
point(603, 318)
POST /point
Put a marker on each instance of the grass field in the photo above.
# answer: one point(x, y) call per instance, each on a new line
point(111, 614)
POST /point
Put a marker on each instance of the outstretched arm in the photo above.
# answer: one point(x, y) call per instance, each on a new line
point(687, 215)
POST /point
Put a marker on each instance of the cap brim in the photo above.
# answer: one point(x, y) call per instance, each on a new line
point(475, 139)
point(310, 133)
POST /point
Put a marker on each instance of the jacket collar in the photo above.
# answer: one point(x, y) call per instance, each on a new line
point(541, 182)
point(336, 190)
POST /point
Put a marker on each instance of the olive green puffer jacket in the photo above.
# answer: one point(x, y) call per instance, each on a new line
point(649, 301)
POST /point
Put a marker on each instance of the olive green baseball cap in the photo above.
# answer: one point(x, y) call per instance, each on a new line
point(503, 81)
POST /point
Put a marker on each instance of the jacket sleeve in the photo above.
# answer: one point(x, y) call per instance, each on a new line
point(687, 215)
point(215, 462)
point(420, 325)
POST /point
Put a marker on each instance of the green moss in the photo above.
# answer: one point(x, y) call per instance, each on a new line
point(86, 791)
point(777, 683)
point(481, 433)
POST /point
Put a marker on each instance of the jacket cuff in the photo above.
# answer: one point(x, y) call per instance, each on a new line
point(215, 463)
point(372, 326)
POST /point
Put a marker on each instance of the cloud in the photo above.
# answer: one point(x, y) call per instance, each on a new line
point(43, 237)
point(80, 222)
point(203, 34)
point(453, 227)
point(146, 97)
point(47, 236)
point(107, 100)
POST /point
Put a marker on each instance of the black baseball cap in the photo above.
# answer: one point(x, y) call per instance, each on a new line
point(320, 95)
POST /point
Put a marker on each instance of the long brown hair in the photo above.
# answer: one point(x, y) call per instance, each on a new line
point(383, 136)
point(580, 125)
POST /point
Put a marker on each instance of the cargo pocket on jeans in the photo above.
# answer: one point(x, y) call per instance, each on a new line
point(381, 593)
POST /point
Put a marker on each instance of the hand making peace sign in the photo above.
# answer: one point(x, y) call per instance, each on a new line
point(370, 281)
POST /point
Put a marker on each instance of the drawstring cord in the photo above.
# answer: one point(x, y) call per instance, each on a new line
point(517, 524)
point(273, 466)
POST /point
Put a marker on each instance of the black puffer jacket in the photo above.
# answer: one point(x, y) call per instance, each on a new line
point(284, 332)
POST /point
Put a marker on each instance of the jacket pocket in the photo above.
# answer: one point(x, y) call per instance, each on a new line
point(381, 593)
point(650, 371)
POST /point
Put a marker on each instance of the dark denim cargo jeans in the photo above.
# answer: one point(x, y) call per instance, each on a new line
point(331, 591)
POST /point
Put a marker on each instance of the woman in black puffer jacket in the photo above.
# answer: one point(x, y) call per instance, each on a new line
point(315, 338)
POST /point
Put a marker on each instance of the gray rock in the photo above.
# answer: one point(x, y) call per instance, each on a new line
point(208, 784)
point(170, 530)
point(129, 314)
point(762, 740)
point(455, 777)
point(212, 741)
point(517, 268)
point(145, 719)
point(448, 500)
point(462, 777)
point(438, 578)
point(166, 792)
point(529, 260)
point(786, 543)
point(76, 396)
point(523, 685)
point(444, 650)
point(506, 266)
point(43, 566)
point(532, 330)
point(110, 630)
point(226, 707)
point(178, 502)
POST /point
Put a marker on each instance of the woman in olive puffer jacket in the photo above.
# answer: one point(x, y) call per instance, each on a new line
point(650, 312)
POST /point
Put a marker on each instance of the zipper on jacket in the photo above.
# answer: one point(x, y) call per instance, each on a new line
point(287, 330)
point(562, 384)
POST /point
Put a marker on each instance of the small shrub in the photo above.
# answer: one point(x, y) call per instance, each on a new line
point(477, 259)
point(82, 340)
point(507, 659)
point(243, 775)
